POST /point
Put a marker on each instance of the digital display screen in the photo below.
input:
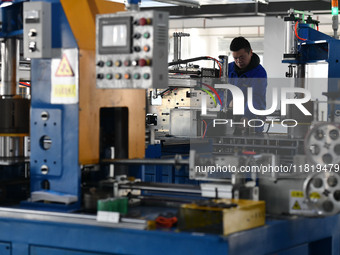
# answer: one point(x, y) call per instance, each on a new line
point(114, 35)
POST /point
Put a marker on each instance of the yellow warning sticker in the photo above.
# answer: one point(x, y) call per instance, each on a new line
point(64, 91)
point(315, 195)
point(296, 206)
point(296, 193)
point(64, 68)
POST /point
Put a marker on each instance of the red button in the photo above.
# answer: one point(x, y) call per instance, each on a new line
point(142, 21)
point(142, 62)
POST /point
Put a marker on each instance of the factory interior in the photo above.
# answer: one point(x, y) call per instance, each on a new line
point(134, 127)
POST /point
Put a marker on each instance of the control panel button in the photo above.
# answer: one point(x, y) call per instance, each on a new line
point(146, 35)
point(118, 76)
point(109, 76)
point(134, 63)
point(109, 63)
point(32, 46)
point(136, 76)
point(146, 76)
point(32, 33)
point(137, 35)
point(144, 62)
point(144, 21)
point(100, 76)
point(127, 63)
point(146, 48)
point(136, 49)
point(100, 63)
point(118, 63)
point(127, 76)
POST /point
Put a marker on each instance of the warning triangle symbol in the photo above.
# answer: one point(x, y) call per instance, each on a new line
point(64, 69)
point(296, 206)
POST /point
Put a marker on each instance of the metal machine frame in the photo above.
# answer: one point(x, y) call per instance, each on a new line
point(65, 144)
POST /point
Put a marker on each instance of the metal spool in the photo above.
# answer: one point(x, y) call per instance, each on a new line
point(322, 193)
point(322, 145)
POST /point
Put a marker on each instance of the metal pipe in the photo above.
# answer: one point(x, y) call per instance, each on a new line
point(175, 161)
point(335, 25)
point(175, 47)
point(179, 47)
point(224, 66)
point(290, 40)
point(299, 82)
point(178, 44)
point(132, 5)
point(316, 110)
point(162, 187)
point(8, 67)
point(42, 216)
point(300, 77)
point(187, 3)
point(17, 66)
point(11, 147)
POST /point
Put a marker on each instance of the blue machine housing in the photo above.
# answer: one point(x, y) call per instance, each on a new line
point(319, 47)
point(61, 126)
point(23, 235)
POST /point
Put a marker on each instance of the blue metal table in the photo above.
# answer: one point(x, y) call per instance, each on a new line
point(22, 233)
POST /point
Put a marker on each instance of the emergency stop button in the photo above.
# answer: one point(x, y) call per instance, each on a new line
point(144, 21)
point(144, 62)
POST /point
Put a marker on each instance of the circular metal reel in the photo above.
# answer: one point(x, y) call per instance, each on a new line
point(322, 145)
point(322, 193)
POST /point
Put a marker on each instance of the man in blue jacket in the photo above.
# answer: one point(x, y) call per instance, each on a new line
point(246, 71)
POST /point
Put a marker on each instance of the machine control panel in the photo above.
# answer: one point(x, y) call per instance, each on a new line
point(37, 30)
point(132, 50)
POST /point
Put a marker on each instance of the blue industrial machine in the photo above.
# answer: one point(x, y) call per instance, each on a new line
point(304, 44)
point(103, 136)
point(51, 169)
point(14, 127)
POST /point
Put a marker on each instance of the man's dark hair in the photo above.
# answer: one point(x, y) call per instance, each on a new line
point(240, 43)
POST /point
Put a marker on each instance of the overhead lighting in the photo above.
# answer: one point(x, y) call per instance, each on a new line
point(187, 3)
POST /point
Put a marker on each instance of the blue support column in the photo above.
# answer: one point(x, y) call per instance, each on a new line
point(61, 127)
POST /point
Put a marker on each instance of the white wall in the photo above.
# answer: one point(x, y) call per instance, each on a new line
point(212, 37)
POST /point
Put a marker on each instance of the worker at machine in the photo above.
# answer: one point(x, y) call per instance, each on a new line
point(246, 71)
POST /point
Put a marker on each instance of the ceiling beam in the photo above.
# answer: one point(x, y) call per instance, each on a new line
point(243, 9)
point(279, 8)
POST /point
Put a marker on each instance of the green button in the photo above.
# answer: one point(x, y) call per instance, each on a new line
point(335, 11)
point(136, 76)
point(146, 76)
point(109, 63)
point(109, 76)
point(146, 35)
